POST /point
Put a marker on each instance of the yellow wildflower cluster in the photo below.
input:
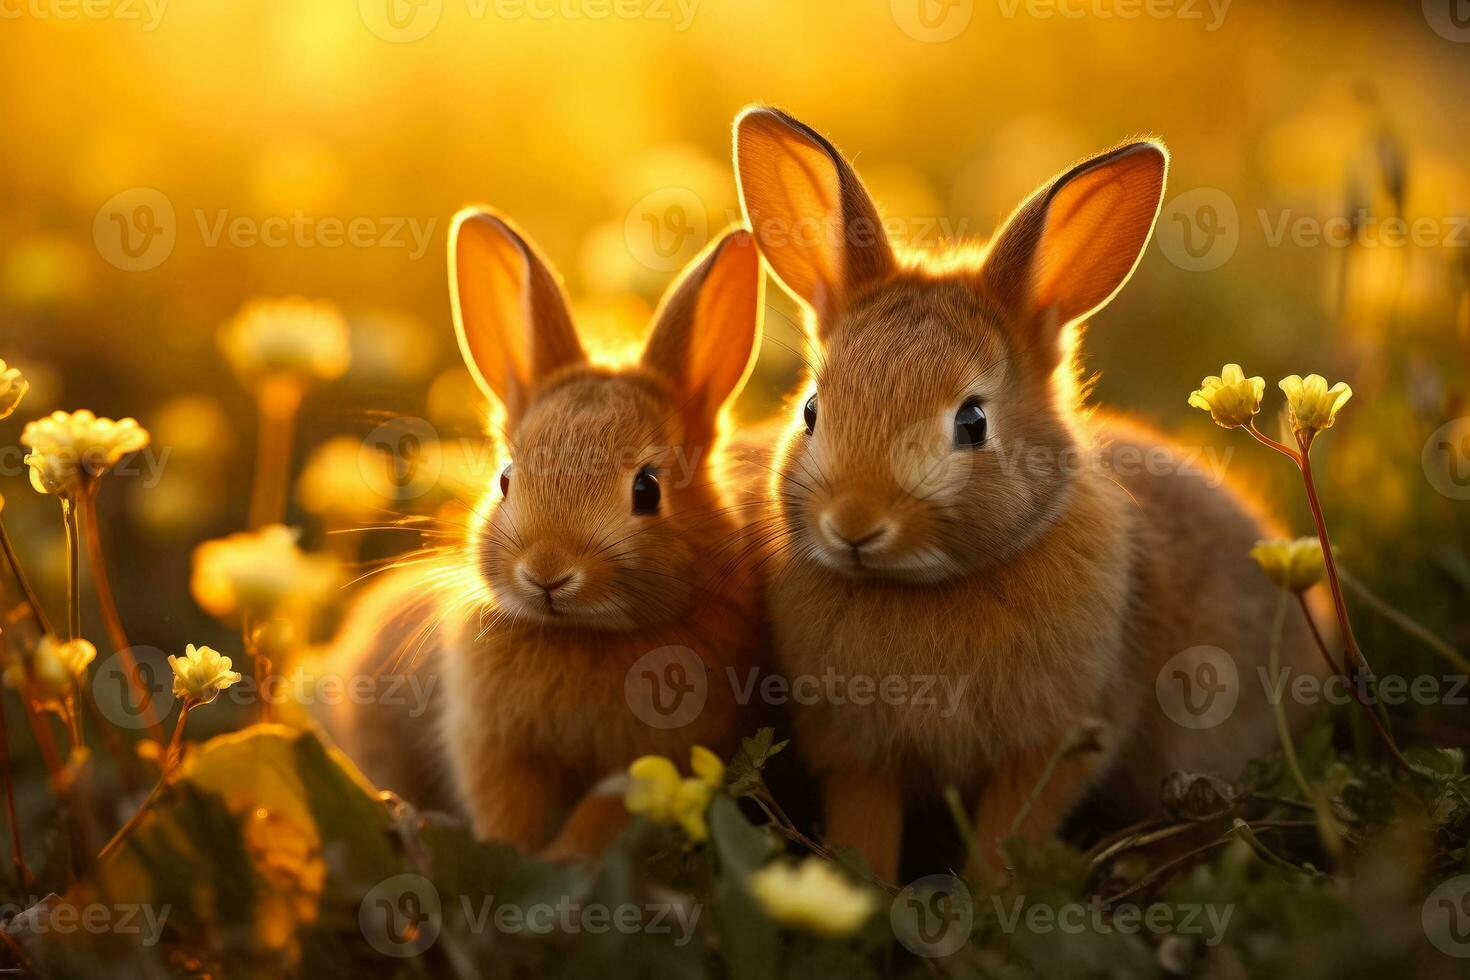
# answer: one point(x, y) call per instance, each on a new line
point(1230, 397)
point(336, 484)
point(69, 450)
point(1294, 565)
point(293, 337)
point(53, 671)
point(1313, 405)
point(657, 791)
point(814, 897)
point(1233, 400)
point(256, 573)
point(13, 388)
point(201, 673)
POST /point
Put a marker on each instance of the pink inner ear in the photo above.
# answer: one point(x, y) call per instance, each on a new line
point(793, 195)
point(725, 322)
point(494, 296)
point(1096, 227)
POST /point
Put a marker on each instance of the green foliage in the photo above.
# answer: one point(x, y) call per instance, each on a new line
point(271, 856)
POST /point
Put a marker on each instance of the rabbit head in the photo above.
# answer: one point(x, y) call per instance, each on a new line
point(610, 496)
point(942, 428)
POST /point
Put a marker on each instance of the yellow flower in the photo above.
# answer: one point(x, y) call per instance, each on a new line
point(1231, 398)
point(257, 572)
point(335, 483)
point(1294, 565)
point(707, 766)
point(54, 668)
point(1313, 405)
point(12, 388)
point(194, 429)
point(292, 337)
point(201, 673)
point(814, 897)
point(656, 791)
point(71, 449)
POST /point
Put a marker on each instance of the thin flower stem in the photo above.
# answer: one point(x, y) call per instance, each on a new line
point(278, 402)
point(115, 631)
point(961, 820)
point(37, 610)
point(1280, 447)
point(1373, 719)
point(783, 825)
point(1301, 599)
point(170, 761)
point(1278, 709)
point(1353, 656)
point(18, 857)
point(1064, 748)
point(1408, 625)
point(73, 569)
point(45, 743)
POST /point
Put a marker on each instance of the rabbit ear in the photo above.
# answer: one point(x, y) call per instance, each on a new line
point(706, 328)
point(814, 220)
point(1069, 249)
point(510, 313)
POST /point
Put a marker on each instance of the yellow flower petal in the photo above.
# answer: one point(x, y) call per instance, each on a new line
point(13, 387)
point(53, 669)
point(1294, 565)
point(293, 338)
point(653, 788)
point(259, 572)
point(707, 766)
point(1231, 398)
point(1313, 405)
point(813, 897)
point(69, 449)
point(201, 673)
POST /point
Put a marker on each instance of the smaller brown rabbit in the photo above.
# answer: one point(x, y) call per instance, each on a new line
point(954, 510)
point(599, 545)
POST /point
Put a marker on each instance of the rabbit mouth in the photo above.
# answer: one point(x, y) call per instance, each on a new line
point(928, 564)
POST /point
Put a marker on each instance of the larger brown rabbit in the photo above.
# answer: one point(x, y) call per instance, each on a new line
point(953, 511)
point(596, 547)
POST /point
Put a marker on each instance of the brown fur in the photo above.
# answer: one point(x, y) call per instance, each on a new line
point(1048, 577)
point(531, 712)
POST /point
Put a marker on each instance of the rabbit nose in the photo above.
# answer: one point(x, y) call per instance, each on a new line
point(549, 584)
point(845, 528)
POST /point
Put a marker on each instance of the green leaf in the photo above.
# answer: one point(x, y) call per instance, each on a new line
point(743, 775)
point(749, 940)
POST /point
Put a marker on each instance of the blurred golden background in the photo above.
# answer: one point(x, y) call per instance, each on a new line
point(168, 162)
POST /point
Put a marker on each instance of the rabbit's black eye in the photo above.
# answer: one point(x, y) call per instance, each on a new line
point(969, 425)
point(505, 481)
point(809, 414)
point(646, 494)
